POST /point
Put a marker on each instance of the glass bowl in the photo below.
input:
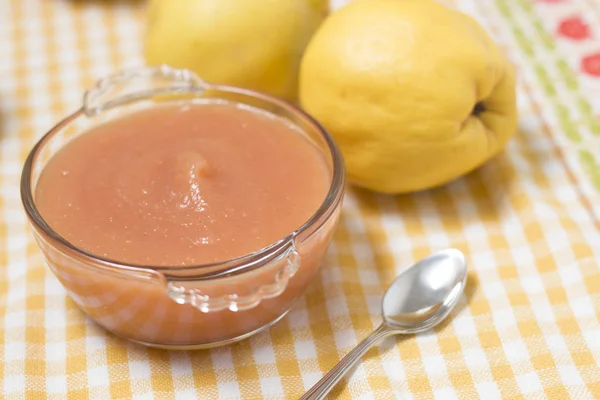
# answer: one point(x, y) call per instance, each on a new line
point(194, 306)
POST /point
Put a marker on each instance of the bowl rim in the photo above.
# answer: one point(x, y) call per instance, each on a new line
point(218, 269)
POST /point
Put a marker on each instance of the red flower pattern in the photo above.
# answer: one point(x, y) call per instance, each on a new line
point(574, 28)
point(590, 64)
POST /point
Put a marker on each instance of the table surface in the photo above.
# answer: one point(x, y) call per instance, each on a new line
point(527, 327)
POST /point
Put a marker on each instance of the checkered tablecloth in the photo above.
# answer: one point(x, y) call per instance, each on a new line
point(528, 326)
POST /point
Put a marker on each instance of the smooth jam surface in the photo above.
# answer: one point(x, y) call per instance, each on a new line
point(183, 185)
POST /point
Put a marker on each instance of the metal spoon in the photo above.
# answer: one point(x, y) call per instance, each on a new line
point(418, 299)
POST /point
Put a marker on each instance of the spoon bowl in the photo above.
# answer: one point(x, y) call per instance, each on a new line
point(417, 300)
point(424, 294)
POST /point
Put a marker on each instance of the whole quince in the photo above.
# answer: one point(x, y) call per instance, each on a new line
point(256, 44)
point(415, 93)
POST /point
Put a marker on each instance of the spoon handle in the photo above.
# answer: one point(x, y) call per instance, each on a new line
point(327, 382)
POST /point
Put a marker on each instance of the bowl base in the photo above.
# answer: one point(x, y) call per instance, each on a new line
point(208, 345)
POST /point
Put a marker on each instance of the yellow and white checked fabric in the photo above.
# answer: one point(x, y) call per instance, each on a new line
point(527, 328)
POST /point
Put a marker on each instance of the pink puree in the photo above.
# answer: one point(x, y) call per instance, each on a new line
point(183, 185)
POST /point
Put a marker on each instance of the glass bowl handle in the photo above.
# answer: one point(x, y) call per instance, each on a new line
point(187, 294)
point(137, 84)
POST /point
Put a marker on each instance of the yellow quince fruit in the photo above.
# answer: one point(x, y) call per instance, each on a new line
point(256, 44)
point(415, 93)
